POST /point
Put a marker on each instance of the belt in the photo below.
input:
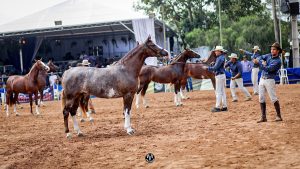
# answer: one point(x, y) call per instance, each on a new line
point(267, 78)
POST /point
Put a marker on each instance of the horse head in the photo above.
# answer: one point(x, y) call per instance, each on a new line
point(52, 66)
point(185, 55)
point(154, 50)
point(41, 65)
point(211, 58)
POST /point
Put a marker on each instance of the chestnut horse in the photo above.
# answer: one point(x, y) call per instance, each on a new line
point(172, 73)
point(24, 84)
point(118, 80)
point(42, 79)
point(199, 71)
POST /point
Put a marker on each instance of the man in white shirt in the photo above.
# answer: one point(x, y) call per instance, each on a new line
point(247, 65)
point(52, 79)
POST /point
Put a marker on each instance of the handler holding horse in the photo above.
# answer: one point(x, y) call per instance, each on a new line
point(119, 80)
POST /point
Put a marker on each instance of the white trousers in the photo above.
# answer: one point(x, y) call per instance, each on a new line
point(269, 86)
point(240, 84)
point(254, 79)
point(220, 91)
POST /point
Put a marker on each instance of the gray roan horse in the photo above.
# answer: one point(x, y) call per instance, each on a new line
point(24, 84)
point(199, 71)
point(118, 80)
point(172, 73)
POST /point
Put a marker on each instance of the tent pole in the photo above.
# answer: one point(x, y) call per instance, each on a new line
point(127, 27)
point(21, 59)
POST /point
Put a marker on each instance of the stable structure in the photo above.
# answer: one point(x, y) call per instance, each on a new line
point(69, 29)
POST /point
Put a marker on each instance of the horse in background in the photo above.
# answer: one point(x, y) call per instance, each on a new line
point(172, 73)
point(43, 74)
point(198, 71)
point(118, 80)
point(27, 84)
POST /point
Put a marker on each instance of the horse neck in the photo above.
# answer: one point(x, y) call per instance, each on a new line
point(33, 73)
point(133, 61)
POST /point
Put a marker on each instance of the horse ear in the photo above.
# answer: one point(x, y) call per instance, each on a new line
point(149, 37)
point(137, 43)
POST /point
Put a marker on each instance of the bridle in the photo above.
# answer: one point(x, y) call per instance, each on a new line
point(155, 51)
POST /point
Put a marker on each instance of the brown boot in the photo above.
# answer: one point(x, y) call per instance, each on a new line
point(278, 113)
point(263, 107)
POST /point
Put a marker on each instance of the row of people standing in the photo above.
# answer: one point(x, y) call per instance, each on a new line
point(269, 64)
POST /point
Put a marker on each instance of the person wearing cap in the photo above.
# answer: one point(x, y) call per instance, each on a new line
point(255, 68)
point(236, 70)
point(269, 64)
point(246, 64)
point(219, 70)
point(287, 58)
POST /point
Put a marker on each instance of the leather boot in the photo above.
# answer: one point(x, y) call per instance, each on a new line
point(263, 107)
point(278, 113)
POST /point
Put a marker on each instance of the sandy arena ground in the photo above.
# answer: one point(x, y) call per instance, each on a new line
point(179, 137)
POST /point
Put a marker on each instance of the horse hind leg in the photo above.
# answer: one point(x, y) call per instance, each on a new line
point(41, 102)
point(127, 101)
point(36, 104)
point(15, 99)
point(73, 115)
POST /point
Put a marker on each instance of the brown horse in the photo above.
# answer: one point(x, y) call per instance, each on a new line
point(172, 73)
point(199, 71)
point(42, 79)
point(24, 84)
point(118, 80)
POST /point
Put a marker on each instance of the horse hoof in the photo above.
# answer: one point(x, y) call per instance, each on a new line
point(17, 114)
point(82, 120)
point(130, 131)
point(92, 120)
point(69, 135)
point(79, 134)
point(147, 106)
point(93, 112)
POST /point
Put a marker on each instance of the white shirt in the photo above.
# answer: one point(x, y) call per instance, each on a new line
point(52, 79)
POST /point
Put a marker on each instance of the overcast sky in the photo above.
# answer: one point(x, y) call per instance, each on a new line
point(15, 9)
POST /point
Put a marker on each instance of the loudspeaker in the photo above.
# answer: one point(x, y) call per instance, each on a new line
point(294, 8)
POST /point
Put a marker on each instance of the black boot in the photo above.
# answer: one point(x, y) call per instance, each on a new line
point(263, 107)
point(277, 108)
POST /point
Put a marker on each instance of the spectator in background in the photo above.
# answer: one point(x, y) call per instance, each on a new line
point(247, 65)
point(286, 59)
point(52, 79)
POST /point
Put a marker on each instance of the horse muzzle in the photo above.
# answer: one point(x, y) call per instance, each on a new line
point(163, 52)
point(46, 68)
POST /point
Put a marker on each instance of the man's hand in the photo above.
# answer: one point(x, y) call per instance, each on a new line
point(264, 63)
point(233, 78)
point(241, 50)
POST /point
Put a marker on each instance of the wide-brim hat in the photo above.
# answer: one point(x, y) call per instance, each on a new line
point(256, 48)
point(85, 62)
point(220, 48)
point(233, 55)
point(277, 46)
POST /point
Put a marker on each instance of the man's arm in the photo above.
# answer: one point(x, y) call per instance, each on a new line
point(217, 65)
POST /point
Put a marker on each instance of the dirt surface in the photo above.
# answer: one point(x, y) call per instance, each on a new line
point(179, 137)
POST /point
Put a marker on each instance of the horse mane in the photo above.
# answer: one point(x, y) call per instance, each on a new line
point(33, 66)
point(128, 55)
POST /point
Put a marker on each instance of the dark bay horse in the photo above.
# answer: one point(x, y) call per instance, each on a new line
point(24, 84)
point(118, 80)
point(43, 74)
point(199, 71)
point(172, 73)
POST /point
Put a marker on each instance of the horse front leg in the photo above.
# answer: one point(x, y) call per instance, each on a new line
point(127, 101)
point(36, 98)
point(66, 121)
point(73, 115)
point(41, 103)
point(177, 98)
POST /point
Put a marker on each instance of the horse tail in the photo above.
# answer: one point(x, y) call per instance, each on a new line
point(83, 103)
point(63, 100)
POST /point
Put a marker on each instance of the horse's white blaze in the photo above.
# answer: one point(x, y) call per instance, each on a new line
point(127, 119)
point(75, 124)
point(111, 92)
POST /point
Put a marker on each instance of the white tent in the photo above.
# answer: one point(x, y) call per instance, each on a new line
point(73, 18)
